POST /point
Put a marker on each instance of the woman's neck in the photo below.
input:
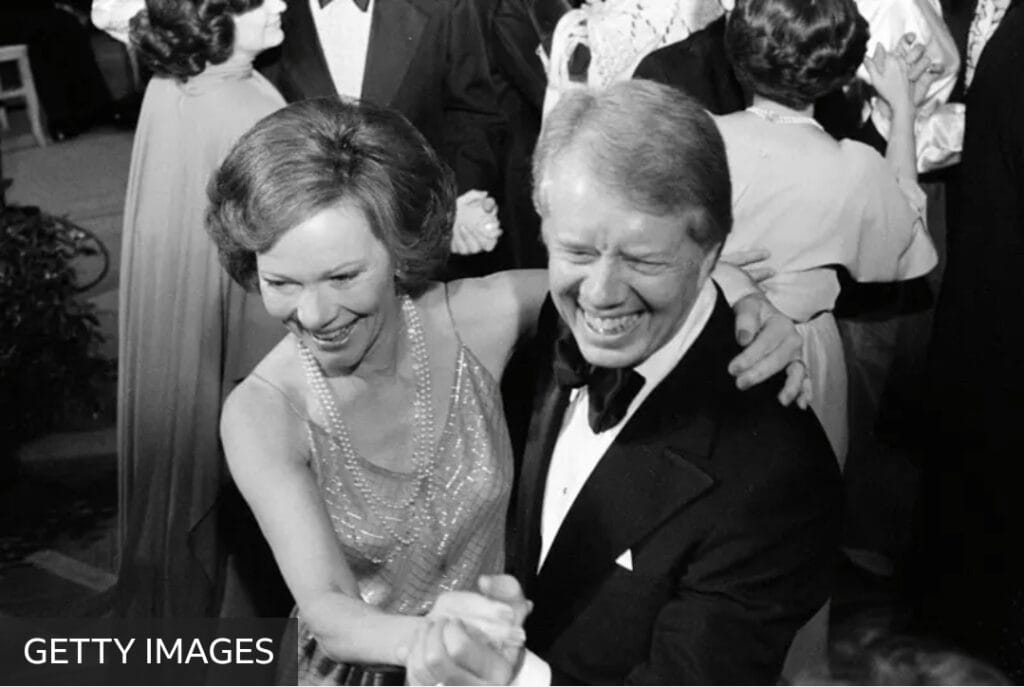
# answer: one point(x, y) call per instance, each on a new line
point(387, 348)
point(238, 59)
point(766, 104)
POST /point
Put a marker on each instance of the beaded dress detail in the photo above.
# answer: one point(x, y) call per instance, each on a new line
point(410, 536)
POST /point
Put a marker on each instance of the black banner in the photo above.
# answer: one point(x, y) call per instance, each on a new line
point(106, 651)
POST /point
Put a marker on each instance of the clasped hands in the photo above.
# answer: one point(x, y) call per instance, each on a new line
point(903, 75)
point(470, 638)
point(476, 228)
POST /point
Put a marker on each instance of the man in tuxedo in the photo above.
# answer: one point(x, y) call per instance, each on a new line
point(424, 58)
point(670, 528)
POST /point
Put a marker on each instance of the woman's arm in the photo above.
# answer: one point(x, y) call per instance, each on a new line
point(496, 312)
point(263, 443)
point(889, 76)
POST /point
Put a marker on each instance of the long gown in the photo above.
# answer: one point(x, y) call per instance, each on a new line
point(817, 203)
point(187, 333)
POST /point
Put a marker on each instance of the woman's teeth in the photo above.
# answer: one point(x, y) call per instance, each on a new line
point(334, 336)
point(610, 326)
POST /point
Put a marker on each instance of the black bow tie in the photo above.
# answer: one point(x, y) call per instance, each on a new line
point(610, 390)
point(361, 4)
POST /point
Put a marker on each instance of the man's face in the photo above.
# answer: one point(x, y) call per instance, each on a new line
point(624, 280)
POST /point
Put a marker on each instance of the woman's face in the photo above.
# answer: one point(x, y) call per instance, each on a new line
point(331, 282)
point(259, 28)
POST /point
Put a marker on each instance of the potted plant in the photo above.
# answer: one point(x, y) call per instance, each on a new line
point(50, 369)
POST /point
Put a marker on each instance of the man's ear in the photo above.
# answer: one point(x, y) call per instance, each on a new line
point(707, 263)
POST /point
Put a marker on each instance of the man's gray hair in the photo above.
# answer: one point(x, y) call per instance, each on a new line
point(649, 142)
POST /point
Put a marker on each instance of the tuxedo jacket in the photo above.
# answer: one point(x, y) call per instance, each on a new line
point(426, 59)
point(729, 505)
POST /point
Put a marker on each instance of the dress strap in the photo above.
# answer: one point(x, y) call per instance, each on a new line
point(451, 316)
point(299, 412)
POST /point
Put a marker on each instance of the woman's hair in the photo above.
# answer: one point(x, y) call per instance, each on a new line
point(179, 38)
point(795, 51)
point(314, 154)
point(651, 143)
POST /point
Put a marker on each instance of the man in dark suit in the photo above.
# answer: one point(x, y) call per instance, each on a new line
point(969, 572)
point(670, 528)
point(424, 58)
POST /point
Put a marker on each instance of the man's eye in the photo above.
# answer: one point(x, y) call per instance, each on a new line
point(276, 283)
point(646, 266)
point(578, 254)
point(342, 278)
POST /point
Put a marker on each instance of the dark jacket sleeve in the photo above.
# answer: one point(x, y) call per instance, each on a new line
point(516, 39)
point(474, 128)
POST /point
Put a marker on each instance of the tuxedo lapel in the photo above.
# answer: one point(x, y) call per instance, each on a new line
point(549, 407)
point(306, 69)
point(395, 32)
point(652, 470)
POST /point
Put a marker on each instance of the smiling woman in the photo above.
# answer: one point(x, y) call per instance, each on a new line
point(370, 443)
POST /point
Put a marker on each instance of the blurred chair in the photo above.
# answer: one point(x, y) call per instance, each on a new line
point(26, 90)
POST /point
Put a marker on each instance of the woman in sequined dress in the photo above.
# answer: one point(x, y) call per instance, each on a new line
point(371, 442)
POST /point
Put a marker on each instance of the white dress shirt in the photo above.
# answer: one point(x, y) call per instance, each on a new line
point(344, 33)
point(578, 449)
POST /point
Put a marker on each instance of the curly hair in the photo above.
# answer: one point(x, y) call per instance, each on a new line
point(314, 154)
point(795, 51)
point(179, 38)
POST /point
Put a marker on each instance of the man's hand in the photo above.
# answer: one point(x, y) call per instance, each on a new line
point(772, 344)
point(751, 262)
point(500, 622)
point(446, 651)
point(506, 589)
point(921, 71)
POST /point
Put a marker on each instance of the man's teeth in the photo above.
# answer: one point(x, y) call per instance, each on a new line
point(610, 326)
point(336, 335)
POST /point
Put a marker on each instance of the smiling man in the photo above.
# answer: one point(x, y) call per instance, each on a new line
point(670, 528)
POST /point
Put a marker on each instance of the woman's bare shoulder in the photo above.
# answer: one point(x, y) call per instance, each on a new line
point(268, 405)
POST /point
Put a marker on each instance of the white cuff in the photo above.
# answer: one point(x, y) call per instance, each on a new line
point(534, 672)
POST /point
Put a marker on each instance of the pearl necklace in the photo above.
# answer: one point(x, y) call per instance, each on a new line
point(423, 428)
point(780, 118)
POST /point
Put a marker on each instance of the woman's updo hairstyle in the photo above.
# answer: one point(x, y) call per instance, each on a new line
point(179, 38)
point(795, 51)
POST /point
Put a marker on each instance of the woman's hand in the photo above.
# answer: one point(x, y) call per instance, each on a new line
point(772, 344)
point(752, 262)
point(476, 227)
point(890, 76)
point(500, 622)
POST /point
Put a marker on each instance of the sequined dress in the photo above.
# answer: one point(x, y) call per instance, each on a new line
point(463, 513)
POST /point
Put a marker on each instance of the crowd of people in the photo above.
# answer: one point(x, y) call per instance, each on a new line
point(513, 324)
